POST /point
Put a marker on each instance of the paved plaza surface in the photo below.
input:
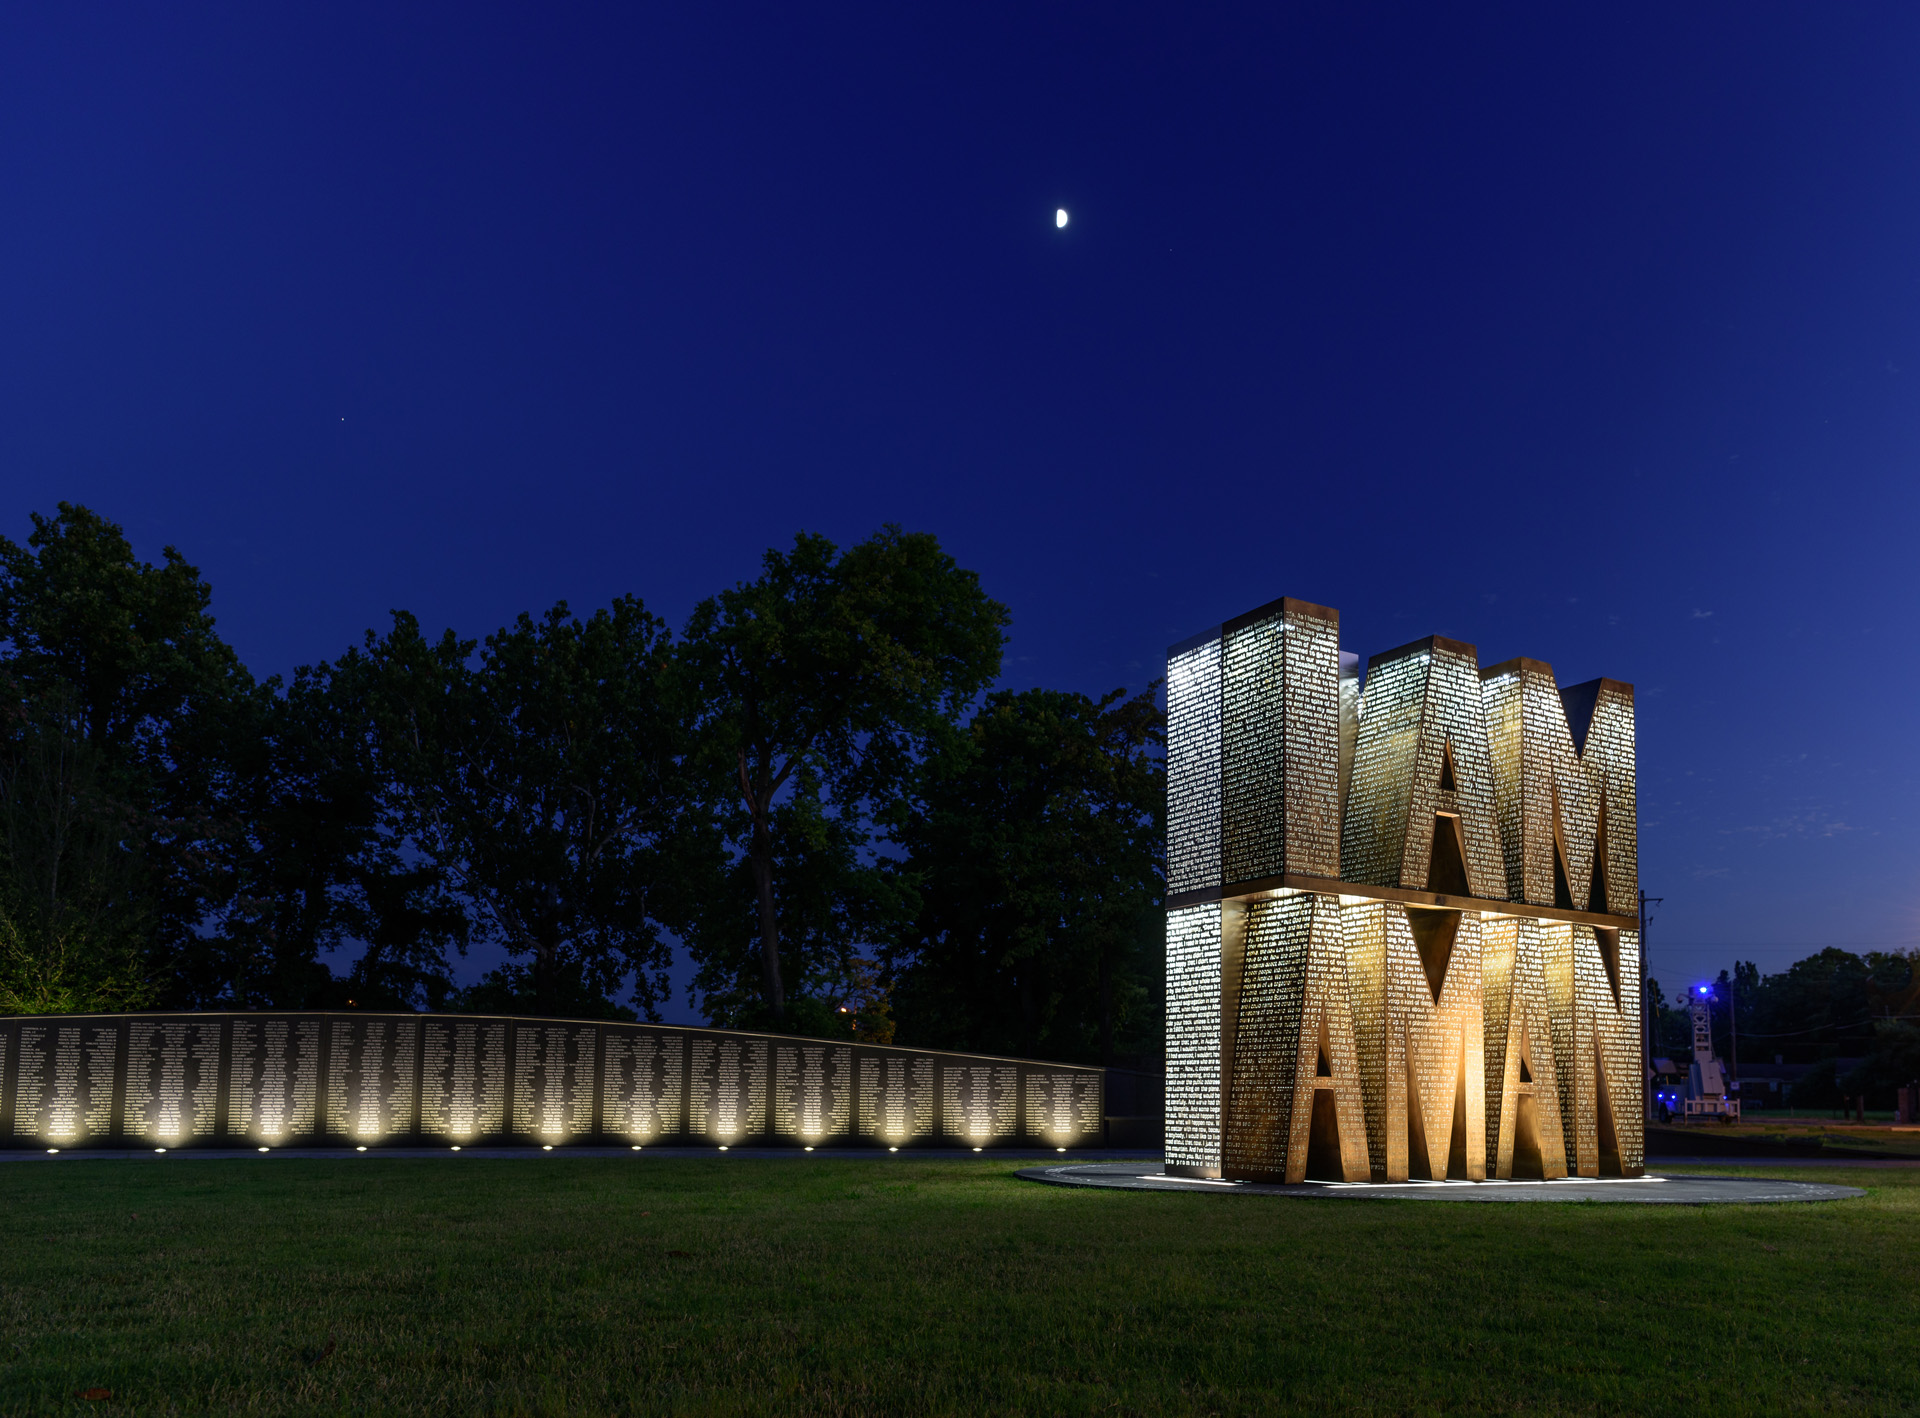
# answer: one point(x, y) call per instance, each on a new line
point(535, 1153)
point(1675, 1190)
point(1129, 1168)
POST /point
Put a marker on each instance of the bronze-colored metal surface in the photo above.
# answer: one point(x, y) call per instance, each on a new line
point(1422, 754)
point(1280, 771)
point(1292, 881)
point(1418, 1017)
point(1294, 1105)
point(1395, 947)
point(1567, 813)
point(1525, 1126)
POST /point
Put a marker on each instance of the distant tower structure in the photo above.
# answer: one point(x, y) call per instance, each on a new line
point(1395, 940)
point(1706, 1079)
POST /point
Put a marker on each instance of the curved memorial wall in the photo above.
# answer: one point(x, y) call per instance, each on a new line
point(357, 1079)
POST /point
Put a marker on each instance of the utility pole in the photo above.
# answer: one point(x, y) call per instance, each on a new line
point(1647, 903)
point(1733, 1020)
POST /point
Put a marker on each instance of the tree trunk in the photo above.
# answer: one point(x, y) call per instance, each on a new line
point(762, 860)
point(370, 967)
point(543, 977)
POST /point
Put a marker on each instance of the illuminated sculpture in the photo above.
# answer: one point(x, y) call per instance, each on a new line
point(1394, 940)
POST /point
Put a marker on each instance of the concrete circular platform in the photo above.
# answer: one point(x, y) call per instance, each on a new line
point(1670, 1191)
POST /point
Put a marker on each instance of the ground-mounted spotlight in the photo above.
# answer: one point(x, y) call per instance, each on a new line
point(1059, 1149)
point(893, 1149)
point(159, 1149)
point(456, 1147)
point(360, 1149)
point(723, 1147)
point(976, 1149)
point(546, 1147)
point(809, 1149)
point(52, 1150)
point(263, 1149)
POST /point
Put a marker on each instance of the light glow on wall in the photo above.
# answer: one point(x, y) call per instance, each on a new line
point(259, 1083)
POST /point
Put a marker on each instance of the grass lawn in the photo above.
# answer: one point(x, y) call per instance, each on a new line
point(657, 1285)
point(1826, 1132)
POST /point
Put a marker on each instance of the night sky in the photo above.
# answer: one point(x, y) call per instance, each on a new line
point(1594, 339)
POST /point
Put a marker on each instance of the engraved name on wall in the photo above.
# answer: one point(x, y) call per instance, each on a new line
point(896, 1097)
point(553, 1081)
point(729, 1097)
point(63, 1088)
point(812, 1092)
point(640, 1094)
point(173, 1081)
point(370, 1078)
point(1063, 1107)
point(979, 1102)
point(463, 1079)
point(273, 1079)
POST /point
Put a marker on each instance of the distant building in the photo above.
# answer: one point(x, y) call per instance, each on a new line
point(1768, 1085)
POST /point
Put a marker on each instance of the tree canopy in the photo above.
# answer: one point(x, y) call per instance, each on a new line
point(115, 789)
point(1037, 847)
point(581, 794)
point(818, 687)
point(541, 777)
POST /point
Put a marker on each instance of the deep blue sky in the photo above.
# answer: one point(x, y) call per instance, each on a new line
point(1588, 337)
